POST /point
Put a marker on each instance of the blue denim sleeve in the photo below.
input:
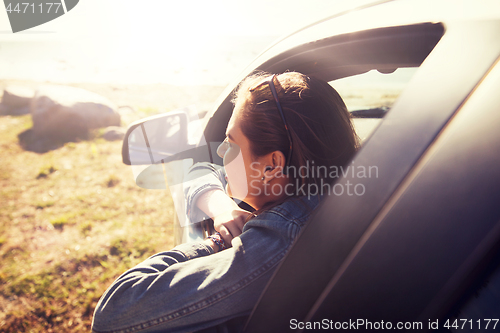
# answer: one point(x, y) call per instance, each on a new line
point(189, 288)
point(202, 177)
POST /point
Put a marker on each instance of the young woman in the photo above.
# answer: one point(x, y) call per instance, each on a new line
point(285, 133)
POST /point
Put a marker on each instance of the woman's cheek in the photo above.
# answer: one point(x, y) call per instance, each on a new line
point(236, 175)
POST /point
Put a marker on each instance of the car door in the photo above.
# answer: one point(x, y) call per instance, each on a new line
point(391, 253)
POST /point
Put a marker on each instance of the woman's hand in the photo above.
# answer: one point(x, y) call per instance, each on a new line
point(230, 224)
point(228, 217)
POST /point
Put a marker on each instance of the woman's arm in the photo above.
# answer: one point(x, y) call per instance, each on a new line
point(205, 193)
point(190, 288)
point(201, 178)
point(229, 218)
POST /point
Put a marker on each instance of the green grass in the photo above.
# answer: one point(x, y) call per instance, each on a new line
point(44, 204)
point(148, 111)
point(112, 181)
point(45, 171)
point(5, 172)
point(71, 221)
point(86, 227)
point(60, 221)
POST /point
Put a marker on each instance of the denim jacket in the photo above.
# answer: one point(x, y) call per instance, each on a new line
point(190, 287)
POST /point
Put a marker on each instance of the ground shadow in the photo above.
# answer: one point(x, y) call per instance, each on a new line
point(31, 141)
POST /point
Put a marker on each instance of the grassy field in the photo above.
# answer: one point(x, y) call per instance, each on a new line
point(73, 219)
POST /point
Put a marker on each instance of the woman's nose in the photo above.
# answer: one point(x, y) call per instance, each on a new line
point(221, 150)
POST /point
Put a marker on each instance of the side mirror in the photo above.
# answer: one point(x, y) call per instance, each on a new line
point(152, 139)
point(161, 149)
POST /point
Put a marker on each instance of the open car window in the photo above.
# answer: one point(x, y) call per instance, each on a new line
point(369, 68)
point(369, 96)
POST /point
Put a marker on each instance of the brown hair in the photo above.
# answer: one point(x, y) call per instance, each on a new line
point(319, 123)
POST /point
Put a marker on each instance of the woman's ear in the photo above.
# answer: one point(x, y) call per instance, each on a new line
point(278, 160)
point(274, 165)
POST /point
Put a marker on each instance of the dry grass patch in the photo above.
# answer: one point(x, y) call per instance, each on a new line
point(71, 221)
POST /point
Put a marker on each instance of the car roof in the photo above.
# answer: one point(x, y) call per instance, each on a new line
point(367, 15)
